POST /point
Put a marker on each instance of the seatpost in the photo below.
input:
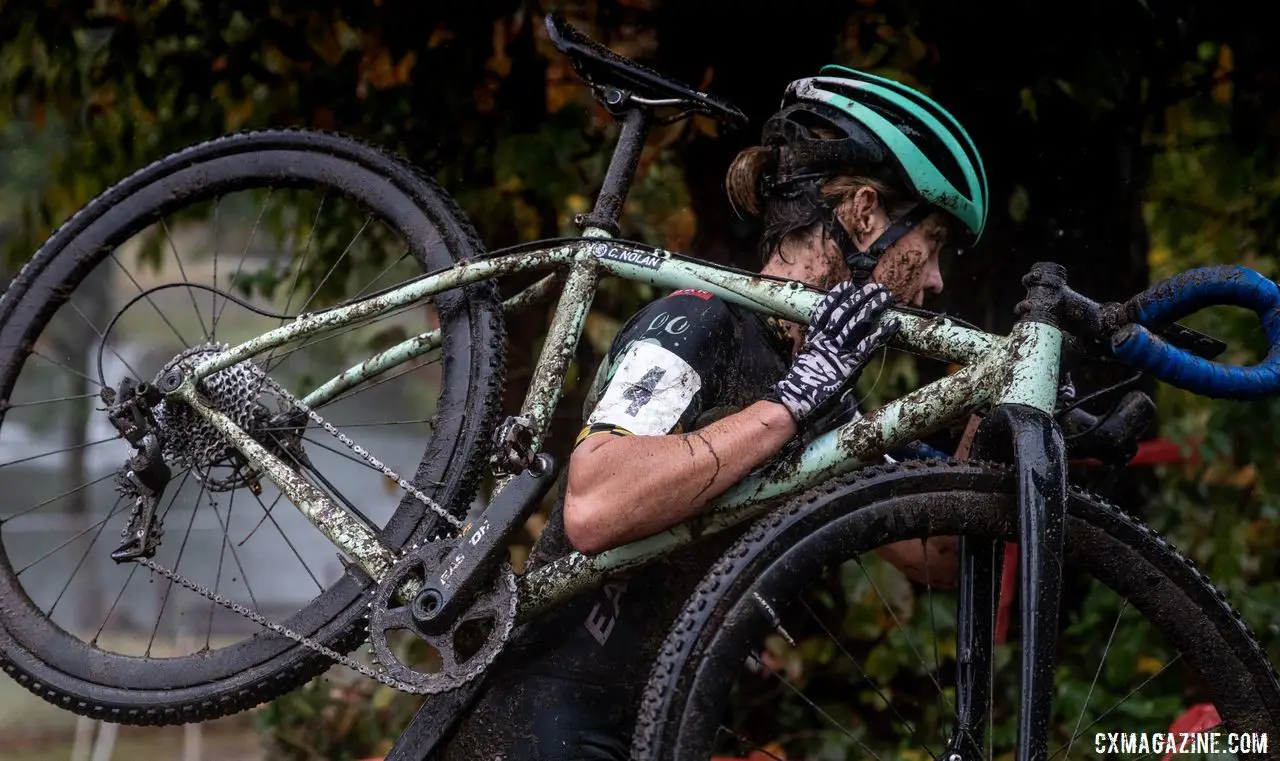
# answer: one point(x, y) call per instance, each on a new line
point(622, 166)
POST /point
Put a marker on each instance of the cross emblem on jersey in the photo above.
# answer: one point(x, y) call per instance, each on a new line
point(641, 391)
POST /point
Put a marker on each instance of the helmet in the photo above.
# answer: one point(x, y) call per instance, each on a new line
point(877, 122)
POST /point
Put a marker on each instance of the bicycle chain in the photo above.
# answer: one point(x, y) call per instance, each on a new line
point(379, 675)
point(360, 451)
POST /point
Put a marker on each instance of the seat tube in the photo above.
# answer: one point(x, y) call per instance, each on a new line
point(561, 344)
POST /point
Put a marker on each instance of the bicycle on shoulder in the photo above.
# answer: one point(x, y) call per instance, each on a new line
point(198, 408)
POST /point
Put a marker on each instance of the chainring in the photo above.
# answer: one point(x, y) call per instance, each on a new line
point(459, 658)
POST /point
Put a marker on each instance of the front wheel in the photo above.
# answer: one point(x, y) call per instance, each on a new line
point(784, 651)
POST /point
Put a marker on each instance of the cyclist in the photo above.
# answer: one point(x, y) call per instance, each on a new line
point(859, 184)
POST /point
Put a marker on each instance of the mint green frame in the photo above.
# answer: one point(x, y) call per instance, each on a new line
point(1020, 368)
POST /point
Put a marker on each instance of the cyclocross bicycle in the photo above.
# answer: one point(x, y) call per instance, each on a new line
point(223, 418)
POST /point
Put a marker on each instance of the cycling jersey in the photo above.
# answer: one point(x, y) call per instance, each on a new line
point(568, 685)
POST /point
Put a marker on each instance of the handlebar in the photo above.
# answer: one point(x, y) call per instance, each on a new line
point(1136, 343)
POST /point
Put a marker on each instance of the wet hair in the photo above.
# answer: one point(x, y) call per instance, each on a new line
point(794, 217)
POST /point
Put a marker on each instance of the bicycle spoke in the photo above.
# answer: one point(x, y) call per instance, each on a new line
point(84, 557)
point(333, 491)
point(382, 274)
point(334, 267)
point(1107, 712)
point(360, 390)
point(102, 337)
point(71, 370)
point(297, 273)
point(263, 519)
point(1097, 675)
point(56, 451)
point(343, 454)
point(169, 588)
point(51, 401)
point(213, 308)
point(53, 499)
point(142, 292)
point(49, 554)
point(306, 252)
point(901, 627)
point(320, 338)
point(218, 580)
point(240, 266)
point(226, 528)
point(285, 537)
point(744, 742)
point(111, 611)
point(217, 584)
point(183, 271)
point(874, 685)
point(814, 706)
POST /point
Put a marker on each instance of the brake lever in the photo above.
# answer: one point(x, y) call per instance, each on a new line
point(1187, 339)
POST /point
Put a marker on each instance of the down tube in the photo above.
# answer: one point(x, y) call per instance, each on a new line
point(839, 451)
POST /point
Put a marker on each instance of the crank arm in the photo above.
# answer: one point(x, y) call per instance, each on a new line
point(482, 545)
point(342, 528)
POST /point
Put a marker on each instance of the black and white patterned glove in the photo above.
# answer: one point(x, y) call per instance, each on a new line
point(843, 332)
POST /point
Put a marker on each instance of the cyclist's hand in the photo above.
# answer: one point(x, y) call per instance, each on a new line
point(845, 329)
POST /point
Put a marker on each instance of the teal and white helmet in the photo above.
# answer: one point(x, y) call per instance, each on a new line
point(877, 122)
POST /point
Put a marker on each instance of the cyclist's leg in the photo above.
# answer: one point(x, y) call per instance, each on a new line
point(531, 717)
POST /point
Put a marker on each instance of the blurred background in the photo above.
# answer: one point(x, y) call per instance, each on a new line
point(1126, 139)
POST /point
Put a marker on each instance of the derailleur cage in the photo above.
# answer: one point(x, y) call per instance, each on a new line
point(144, 477)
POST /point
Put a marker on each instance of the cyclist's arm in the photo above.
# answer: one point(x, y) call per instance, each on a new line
point(623, 488)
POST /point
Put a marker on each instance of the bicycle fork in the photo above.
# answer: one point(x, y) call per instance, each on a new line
point(1020, 429)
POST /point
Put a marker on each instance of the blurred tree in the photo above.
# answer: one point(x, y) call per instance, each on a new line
point(1127, 140)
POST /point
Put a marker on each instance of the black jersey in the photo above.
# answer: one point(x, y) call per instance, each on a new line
point(569, 684)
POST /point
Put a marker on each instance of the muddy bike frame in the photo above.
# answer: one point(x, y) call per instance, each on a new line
point(1019, 371)
point(1014, 376)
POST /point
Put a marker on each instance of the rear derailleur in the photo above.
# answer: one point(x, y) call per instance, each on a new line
point(144, 477)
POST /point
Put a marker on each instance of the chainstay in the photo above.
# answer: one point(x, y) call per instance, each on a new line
point(360, 451)
point(379, 675)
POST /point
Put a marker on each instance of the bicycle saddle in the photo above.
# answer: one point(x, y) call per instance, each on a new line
point(598, 65)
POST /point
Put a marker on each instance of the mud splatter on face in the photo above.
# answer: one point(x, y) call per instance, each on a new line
point(903, 272)
point(911, 264)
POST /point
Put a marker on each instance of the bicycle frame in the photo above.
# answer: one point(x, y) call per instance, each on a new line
point(1020, 369)
point(1016, 374)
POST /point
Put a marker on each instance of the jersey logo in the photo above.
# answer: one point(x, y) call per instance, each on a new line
point(704, 295)
point(640, 393)
point(604, 616)
point(672, 325)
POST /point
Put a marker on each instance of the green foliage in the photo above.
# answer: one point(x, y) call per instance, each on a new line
point(334, 721)
point(91, 91)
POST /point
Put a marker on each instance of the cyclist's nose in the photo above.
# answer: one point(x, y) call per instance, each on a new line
point(932, 279)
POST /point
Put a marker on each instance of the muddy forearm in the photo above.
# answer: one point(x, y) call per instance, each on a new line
point(623, 488)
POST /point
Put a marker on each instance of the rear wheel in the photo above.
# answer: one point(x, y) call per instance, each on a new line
point(778, 654)
point(286, 222)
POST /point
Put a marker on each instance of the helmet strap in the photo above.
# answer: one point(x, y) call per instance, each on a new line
point(861, 263)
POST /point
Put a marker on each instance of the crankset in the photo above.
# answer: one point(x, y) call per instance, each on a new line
point(458, 595)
